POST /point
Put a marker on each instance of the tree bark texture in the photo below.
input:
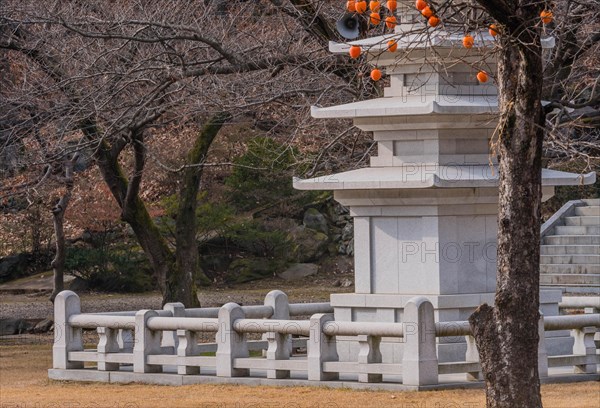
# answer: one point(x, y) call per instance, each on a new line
point(58, 219)
point(180, 285)
point(133, 209)
point(507, 333)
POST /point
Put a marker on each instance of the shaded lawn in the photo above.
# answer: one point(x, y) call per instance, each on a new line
point(24, 383)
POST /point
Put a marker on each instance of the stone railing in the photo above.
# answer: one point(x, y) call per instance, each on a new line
point(134, 345)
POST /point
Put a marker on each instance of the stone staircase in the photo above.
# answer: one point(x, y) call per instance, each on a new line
point(570, 251)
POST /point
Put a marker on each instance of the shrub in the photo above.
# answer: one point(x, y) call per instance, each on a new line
point(263, 174)
point(111, 269)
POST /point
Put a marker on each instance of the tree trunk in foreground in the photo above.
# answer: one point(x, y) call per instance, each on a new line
point(181, 281)
point(507, 334)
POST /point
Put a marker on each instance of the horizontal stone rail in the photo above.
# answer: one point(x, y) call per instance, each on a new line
point(297, 327)
point(90, 321)
point(183, 323)
point(571, 322)
point(309, 309)
point(363, 328)
point(451, 329)
point(158, 341)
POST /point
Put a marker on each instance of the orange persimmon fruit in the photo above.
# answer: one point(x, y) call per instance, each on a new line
point(375, 18)
point(375, 74)
point(360, 6)
point(355, 51)
point(482, 76)
point(351, 6)
point(493, 30)
point(468, 41)
point(546, 16)
point(392, 5)
point(374, 6)
point(427, 12)
point(392, 45)
point(420, 4)
point(433, 21)
point(390, 22)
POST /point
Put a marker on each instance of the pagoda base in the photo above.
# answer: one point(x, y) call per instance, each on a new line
point(388, 308)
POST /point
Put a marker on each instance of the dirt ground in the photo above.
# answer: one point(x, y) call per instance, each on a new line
point(35, 305)
point(24, 384)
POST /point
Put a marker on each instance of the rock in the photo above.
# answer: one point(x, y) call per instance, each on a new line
point(313, 219)
point(337, 283)
point(14, 267)
point(341, 249)
point(298, 271)
point(79, 285)
point(308, 245)
point(348, 232)
point(44, 326)
point(350, 248)
point(249, 269)
point(9, 327)
point(346, 283)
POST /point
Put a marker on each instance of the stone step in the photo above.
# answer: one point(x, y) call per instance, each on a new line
point(571, 259)
point(582, 220)
point(575, 289)
point(591, 280)
point(577, 230)
point(569, 269)
point(570, 249)
point(593, 202)
point(572, 240)
point(588, 210)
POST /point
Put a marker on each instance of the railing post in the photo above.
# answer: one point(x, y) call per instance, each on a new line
point(369, 353)
point(147, 342)
point(278, 300)
point(187, 346)
point(107, 344)
point(419, 361)
point(542, 354)
point(169, 338)
point(230, 344)
point(584, 345)
point(321, 348)
point(472, 356)
point(279, 345)
point(66, 338)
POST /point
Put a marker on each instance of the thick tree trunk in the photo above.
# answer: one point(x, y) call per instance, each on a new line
point(134, 211)
point(181, 285)
point(507, 334)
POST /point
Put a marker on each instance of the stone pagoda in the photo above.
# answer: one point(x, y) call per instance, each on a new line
point(425, 210)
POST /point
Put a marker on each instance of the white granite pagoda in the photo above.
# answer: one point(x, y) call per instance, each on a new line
point(425, 211)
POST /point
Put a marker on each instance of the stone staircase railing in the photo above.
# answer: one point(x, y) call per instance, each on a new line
point(570, 251)
point(137, 347)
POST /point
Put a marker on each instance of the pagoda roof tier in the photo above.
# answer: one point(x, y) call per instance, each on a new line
point(411, 105)
point(429, 176)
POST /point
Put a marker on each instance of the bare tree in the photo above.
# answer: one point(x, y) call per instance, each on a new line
point(112, 77)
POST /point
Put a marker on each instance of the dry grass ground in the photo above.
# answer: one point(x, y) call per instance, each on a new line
point(24, 384)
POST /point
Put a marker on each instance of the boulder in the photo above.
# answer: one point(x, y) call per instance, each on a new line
point(14, 267)
point(313, 219)
point(249, 269)
point(299, 271)
point(9, 327)
point(308, 244)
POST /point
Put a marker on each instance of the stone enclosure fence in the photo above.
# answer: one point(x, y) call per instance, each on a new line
point(162, 346)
